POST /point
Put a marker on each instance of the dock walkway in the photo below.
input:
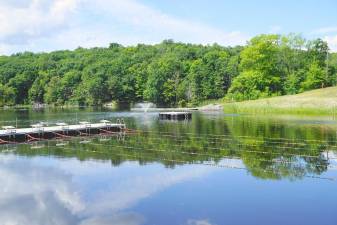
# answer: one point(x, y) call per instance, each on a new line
point(10, 134)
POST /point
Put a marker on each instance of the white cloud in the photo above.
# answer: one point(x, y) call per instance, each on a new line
point(14, 177)
point(159, 25)
point(332, 42)
point(325, 30)
point(328, 34)
point(45, 25)
point(35, 194)
point(36, 19)
point(118, 219)
point(40, 191)
point(134, 188)
point(198, 222)
point(275, 29)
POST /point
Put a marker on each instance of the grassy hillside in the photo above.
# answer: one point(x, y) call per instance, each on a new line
point(320, 101)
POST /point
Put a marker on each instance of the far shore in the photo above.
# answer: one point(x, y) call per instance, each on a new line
point(316, 102)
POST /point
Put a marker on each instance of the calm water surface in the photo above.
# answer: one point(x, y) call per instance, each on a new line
point(215, 169)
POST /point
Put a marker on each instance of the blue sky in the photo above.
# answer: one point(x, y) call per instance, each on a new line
point(46, 25)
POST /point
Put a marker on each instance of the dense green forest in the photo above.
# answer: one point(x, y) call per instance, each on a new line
point(169, 73)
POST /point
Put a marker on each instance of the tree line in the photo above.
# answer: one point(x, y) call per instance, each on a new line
point(169, 73)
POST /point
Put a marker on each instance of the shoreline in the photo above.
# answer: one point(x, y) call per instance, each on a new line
point(245, 107)
point(274, 110)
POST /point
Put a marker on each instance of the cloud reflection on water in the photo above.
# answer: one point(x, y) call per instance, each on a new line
point(43, 191)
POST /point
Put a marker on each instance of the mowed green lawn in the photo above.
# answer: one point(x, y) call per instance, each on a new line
point(320, 101)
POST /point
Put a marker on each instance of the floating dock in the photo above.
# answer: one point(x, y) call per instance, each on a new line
point(38, 132)
point(163, 109)
point(175, 115)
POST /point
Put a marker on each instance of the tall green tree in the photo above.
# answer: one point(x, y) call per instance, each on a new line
point(315, 77)
point(7, 95)
point(260, 67)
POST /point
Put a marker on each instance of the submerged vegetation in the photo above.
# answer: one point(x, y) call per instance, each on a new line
point(168, 73)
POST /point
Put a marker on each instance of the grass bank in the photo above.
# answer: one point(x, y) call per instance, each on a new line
point(316, 102)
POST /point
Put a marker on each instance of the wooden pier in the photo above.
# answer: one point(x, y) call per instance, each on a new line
point(164, 109)
point(175, 115)
point(38, 132)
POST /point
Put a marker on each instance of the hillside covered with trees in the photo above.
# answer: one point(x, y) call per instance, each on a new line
point(168, 73)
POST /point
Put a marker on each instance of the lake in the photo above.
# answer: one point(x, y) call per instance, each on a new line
point(214, 169)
